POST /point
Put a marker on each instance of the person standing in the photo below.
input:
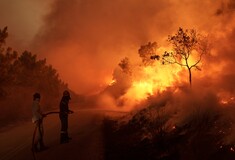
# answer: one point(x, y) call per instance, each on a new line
point(38, 144)
point(64, 111)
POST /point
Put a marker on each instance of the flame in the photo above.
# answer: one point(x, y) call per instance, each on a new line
point(142, 88)
point(232, 149)
point(226, 99)
point(154, 79)
point(112, 82)
point(151, 80)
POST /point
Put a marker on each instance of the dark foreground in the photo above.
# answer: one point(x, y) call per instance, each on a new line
point(85, 128)
point(191, 142)
point(96, 138)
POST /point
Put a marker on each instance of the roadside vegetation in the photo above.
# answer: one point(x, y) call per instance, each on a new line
point(21, 75)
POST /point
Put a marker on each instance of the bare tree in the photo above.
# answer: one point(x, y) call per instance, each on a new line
point(186, 44)
point(3, 36)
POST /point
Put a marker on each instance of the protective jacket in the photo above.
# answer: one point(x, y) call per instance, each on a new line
point(37, 114)
point(64, 108)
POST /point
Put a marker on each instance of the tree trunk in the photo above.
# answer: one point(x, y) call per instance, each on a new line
point(190, 77)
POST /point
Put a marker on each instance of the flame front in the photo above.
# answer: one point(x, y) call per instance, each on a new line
point(150, 80)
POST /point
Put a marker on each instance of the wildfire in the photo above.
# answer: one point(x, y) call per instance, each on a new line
point(150, 80)
point(112, 82)
point(226, 98)
point(142, 88)
point(227, 101)
point(153, 78)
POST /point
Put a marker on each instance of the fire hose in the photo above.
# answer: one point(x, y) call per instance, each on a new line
point(36, 128)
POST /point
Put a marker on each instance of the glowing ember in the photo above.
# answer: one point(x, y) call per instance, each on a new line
point(112, 82)
point(226, 100)
point(232, 149)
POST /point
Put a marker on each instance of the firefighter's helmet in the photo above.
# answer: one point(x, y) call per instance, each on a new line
point(36, 95)
point(66, 94)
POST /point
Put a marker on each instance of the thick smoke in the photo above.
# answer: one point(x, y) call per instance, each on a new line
point(23, 18)
point(213, 93)
point(85, 40)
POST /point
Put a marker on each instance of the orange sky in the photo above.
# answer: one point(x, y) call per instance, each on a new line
point(85, 39)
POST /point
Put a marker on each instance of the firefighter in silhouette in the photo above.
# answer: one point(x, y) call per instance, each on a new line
point(64, 111)
point(38, 144)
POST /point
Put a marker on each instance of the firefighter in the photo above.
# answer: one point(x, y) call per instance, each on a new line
point(37, 120)
point(64, 111)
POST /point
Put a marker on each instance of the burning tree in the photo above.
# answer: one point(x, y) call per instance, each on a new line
point(188, 49)
point(125, 65)
point(147, 51)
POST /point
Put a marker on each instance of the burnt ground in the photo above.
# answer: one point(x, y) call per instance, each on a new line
point(126, 142)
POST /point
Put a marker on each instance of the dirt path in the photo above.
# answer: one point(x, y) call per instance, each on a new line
point(85, 128)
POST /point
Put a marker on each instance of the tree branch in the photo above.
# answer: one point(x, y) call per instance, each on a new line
point(197, 61)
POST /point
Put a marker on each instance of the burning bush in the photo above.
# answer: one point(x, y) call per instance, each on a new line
point(182, 125)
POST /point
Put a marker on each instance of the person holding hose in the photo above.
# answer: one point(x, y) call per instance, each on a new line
point(38, 144)
point(64, 111)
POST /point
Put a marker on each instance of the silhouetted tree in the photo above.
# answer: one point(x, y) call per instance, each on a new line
point(20, 76)
point(3, 36)
point(7, 59)
point(188, 49)
point(125, 65)
point(147, 51)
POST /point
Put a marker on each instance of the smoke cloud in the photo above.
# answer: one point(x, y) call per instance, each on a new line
point(24, 19)
point(86, 39)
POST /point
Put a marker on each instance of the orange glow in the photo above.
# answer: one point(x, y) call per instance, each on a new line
point(151, 80)
point(194, 57)
point(156, 78)
point(232, 149)
point(112, 82)
point(225, 98)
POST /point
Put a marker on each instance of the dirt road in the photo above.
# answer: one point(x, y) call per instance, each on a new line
point(85, 128)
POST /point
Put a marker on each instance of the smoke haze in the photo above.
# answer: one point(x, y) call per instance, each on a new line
point(85, 39)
